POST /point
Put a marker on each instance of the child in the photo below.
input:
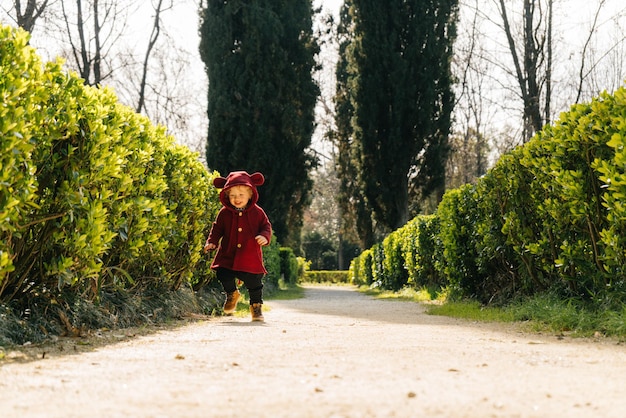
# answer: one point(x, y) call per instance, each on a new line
point(239, 231)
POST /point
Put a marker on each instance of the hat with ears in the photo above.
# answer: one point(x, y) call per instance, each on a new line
point(239, 178)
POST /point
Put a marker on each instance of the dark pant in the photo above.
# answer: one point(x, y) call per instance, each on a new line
point(253, 282)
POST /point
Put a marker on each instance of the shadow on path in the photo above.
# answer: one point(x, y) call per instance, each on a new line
point(350, 303)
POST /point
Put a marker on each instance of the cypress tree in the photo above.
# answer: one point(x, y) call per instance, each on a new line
point(399, 77)
point(259, 57)
point(355, 213)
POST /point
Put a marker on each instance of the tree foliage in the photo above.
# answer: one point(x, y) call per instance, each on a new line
point(355, 213)
point(259, 58)
point(396, 92)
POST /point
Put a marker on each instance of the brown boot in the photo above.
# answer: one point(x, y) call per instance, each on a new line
point(256, 309)
point(231, 302)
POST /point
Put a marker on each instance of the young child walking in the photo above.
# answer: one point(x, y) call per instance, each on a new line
point(239, 231)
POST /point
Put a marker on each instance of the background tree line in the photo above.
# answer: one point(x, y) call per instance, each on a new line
point(512, 67)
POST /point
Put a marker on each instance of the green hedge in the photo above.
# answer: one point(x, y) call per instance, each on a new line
point(548, 217)
point(327, 276)
point(272, 261)
point(288, 265)
point(93, 195)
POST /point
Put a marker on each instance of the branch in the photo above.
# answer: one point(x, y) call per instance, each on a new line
point(156, 30)
point(511, 41)
point(581, 75)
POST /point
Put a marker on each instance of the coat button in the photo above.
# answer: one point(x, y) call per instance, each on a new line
point(238, 245)
point(239, 229)
point(240, 213)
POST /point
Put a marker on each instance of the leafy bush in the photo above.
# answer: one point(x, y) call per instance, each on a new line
point(547, 218)
point(457, 216)
point(288, 265)
point(93, 195)
point(327, 276)
point(422, 253)
point(498, 211)
point(394, 274)
point(272, 261)
point(21, 86)
point(360, 271)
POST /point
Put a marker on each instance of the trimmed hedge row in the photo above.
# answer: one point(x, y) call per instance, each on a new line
point(548, 217)
point(92, 195)
point(326, 276)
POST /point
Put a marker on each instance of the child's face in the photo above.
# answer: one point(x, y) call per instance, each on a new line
point(239, 196)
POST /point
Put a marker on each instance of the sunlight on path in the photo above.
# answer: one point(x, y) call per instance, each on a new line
point(334, 353)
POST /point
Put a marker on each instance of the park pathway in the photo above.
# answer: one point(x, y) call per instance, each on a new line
point(335, 353)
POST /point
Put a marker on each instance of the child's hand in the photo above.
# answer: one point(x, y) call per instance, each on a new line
point(209, 247)
point(260, 240)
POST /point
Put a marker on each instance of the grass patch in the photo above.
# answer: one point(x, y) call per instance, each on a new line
point(471, 310)
point(409, 294)
point(575, 317)
point(286, 291)
point(542, 313)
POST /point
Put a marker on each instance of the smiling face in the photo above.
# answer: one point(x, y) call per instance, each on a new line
point(239, 196)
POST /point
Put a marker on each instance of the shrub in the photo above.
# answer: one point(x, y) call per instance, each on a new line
point(22, 89)
point(272, 261)
point(427, 253)
point(360, 271)
point(288, 265)
point(548, 217)
point(327, 276)
point(457, 215)
point(96, 195)
point(394, 275)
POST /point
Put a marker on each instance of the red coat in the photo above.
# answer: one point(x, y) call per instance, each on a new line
point(234, 231)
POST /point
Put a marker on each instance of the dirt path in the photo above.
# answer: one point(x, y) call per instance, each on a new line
point(335, 353)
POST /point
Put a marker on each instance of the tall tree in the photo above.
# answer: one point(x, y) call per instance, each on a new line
point(356, 216)
point(400, 81)
point(28, 12)
point(260, 58)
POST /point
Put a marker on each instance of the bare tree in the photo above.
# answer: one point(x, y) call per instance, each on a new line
point(468, 143)
point(93, 28)
point(26, 15)
point(602, 66)
point(532, 68)
point(528, 60)
point(156, 30)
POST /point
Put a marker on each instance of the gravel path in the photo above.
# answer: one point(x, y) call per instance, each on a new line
point(335, 353)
